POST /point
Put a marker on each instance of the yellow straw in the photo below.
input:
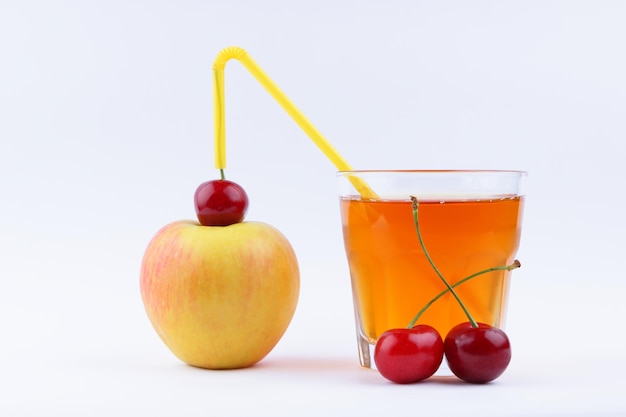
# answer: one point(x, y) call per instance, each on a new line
point(242, 56)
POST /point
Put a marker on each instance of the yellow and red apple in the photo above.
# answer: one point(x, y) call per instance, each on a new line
point(220, 297)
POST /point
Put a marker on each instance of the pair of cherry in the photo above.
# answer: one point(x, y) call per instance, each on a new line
point(477, 354)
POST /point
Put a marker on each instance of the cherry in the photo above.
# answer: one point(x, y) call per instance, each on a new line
point(220, 203)
point(477, 354)
point(407, 355)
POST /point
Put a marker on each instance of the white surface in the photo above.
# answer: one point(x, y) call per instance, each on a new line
point(106, 130)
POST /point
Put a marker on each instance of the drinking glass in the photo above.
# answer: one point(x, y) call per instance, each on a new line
point(469, 221)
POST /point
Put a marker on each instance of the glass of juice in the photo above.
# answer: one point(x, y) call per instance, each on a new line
point(469, 221)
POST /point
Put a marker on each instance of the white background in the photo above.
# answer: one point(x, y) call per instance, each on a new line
point(106, 130)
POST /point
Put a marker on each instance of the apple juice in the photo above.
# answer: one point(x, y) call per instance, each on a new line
point(391, 277)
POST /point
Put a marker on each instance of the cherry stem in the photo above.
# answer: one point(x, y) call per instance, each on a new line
point(222, 176)
point(516, 264)
point(430, 261)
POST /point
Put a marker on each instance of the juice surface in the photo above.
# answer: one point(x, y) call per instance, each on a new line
point(392, 279)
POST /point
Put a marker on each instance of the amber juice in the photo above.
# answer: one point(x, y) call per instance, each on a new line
point(391, 277)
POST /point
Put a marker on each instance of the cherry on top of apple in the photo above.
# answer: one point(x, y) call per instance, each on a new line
point(220, 202)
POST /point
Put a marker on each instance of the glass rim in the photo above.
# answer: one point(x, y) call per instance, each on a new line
point(432, 171)
point(447, 184)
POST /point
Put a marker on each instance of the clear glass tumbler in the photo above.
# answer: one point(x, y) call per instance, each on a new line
point(469, 221)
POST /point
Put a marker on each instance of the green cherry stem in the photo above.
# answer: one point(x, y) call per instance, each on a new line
point(222, 176)
point(516, 264)
point(430, 261)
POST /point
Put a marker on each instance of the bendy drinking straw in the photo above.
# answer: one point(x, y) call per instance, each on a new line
point(234, 52)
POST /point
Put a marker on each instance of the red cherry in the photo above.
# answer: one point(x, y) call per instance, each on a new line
point(220, 203)
point(477, 354)
point(404, 356)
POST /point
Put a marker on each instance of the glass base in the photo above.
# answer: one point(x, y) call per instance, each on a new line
point(366, 357)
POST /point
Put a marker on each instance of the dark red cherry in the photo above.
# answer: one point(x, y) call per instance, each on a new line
point(220, 203)
point(477, 354)
point(404, 356)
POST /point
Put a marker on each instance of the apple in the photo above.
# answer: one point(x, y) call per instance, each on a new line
point(219, 297)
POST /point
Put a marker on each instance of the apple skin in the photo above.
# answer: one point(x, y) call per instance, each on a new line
point(219, 297)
